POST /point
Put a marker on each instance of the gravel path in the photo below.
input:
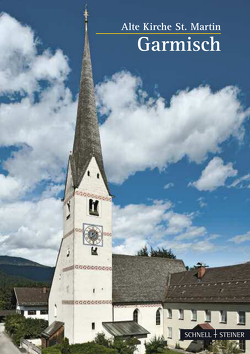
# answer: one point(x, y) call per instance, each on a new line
point(6, 346)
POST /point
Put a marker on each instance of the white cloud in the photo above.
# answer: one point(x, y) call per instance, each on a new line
point(214, 175)
point(242, 182)
point(158, 225)
point(168, 185)
point(11, 188)
point(31, 229)
point(149, 134)
point(52, 190)
point(20, 64)
point(203, 246)
point(42, 128)
point(130, 246)
point(241, 238)
point(177, 222)
point(139, 220)
point(202, 202)
point(192, 232)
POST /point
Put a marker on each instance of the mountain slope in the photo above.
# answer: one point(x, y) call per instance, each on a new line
point(18, 261)
point(24, 269)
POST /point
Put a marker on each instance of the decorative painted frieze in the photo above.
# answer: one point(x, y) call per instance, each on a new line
point(86, 302)
point(138, 305)
point(85, 194)
point(87, 267)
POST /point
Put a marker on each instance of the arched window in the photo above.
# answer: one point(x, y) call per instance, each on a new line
point(55, 311)
point(135, 315)
point(88, 173)
point(93, 207)
point(158, 317)
point(98, 175)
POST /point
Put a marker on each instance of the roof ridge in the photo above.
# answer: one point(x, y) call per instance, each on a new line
point(147, 257)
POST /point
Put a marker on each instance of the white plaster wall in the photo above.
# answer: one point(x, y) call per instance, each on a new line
point(92, 285)
point(86, 315)
point(72, 286)
point(91, 183)
point(38, 310)
point(146, 318)
point(187, 323)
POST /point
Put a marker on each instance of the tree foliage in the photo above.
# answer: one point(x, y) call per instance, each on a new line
point(102, 340)
point(159, 252)
point(143, 252)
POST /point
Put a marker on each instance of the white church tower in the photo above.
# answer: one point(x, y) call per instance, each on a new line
point(81, 292)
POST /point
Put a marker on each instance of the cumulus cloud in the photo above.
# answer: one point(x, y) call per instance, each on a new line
point(168, 185)
point(139, 220)
point(21, 67)
point(31, 229)
point(154, 134)
point(130, 246)
point(242, 182)
point(214, 175)
point(10, 187)
point(241, 238)
point(159, 225)
point(40, 115)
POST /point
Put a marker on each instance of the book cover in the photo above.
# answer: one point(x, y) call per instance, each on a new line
point(143, 106)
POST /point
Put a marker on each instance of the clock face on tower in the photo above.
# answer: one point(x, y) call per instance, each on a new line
point(92, 235)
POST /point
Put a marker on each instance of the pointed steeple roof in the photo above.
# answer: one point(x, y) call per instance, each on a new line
point(87, 137)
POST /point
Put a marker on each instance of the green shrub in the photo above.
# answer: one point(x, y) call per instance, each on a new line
point(15, 326)
point(34, 327)
point(102, 340)
point(18, 327)
point(125, 346)
point(155, 345)
point(51, 350)
point(65, 348)
point(91, 348)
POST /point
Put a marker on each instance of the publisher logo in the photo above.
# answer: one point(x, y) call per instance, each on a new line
point(215, 334)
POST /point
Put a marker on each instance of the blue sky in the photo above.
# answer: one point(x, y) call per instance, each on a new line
point(174, 127)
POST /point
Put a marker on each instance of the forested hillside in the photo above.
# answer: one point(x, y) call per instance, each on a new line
point(18, 272)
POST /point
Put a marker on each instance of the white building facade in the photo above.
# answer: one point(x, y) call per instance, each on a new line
point(32, 302)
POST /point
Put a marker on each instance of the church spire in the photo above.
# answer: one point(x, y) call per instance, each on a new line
point(87, 142)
